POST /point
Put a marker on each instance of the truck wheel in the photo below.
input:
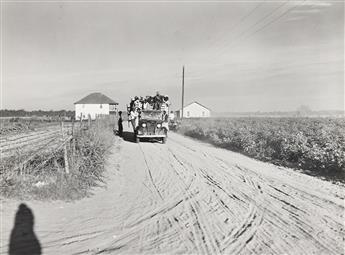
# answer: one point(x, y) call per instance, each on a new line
point(164, 140)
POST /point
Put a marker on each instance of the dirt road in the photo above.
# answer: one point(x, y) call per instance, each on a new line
point(189, 197)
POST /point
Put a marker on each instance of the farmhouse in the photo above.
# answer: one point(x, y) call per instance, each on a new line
point(194, 110)
point(93, 105)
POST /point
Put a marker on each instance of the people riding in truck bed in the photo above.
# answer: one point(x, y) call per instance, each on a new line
point(157, 102)
point(138, 104)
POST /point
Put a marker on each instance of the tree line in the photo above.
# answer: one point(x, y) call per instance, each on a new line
point(37, 113)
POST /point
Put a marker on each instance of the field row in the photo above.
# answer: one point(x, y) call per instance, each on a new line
point(43, 138)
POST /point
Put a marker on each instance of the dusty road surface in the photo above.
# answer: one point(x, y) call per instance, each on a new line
point(191, 198)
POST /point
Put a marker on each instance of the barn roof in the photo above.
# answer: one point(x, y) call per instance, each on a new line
point(96, 98)
point(195, 102)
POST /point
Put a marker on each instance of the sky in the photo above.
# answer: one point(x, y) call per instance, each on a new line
point(238, 55)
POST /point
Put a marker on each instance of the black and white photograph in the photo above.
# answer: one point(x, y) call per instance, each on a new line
point(172, 127)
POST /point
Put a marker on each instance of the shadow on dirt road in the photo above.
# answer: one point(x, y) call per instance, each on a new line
point(23, 239)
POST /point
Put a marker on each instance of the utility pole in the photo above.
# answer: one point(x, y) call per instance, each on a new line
point(182, 92)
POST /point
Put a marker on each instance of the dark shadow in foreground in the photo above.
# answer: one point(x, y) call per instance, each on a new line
point(23, 239)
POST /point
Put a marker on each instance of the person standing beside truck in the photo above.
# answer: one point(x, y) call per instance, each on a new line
point(134, 116)
point(165, 118)
point(119, 124)
point(171, 115)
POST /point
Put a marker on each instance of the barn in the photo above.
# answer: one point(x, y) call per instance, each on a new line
point(93, 105)
point(194, 110)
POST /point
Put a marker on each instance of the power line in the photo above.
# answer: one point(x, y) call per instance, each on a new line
point(271, 22)
point(253, 26)
point(265, 25)
point(276, 19)
point(237, 24)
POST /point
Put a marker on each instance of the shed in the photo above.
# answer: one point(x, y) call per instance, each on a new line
point(194, 110)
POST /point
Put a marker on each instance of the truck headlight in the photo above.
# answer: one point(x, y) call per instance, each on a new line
point(143, 125)
point(159, 125)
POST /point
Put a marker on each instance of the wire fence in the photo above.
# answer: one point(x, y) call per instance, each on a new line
point(40, 147)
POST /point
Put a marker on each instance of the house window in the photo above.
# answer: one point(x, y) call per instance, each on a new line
point(100, 106)
point(187, 114)
point(203, 114)
point(112, 107)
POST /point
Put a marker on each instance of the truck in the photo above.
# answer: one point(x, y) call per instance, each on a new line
point(153, 124)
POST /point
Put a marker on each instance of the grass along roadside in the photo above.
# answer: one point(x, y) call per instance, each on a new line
point(44, 175)
point(315, 145)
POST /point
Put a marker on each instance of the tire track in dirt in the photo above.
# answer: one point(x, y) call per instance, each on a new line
point(198, 231)
point(287, 203)
point(150, 174)
point(220, 202)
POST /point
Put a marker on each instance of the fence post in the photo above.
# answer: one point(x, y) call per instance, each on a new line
point(89, 120)
point(73, 143)
point(65, 149)
point(72, 127)
point(81, 120)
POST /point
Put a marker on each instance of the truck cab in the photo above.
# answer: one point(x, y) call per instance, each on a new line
point(152, 126)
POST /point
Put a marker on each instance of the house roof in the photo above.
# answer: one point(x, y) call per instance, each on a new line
point(195, 102)
point(96, 98)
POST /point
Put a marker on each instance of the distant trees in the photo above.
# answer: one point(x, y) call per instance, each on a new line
point(37, 113)
point(303, 110)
